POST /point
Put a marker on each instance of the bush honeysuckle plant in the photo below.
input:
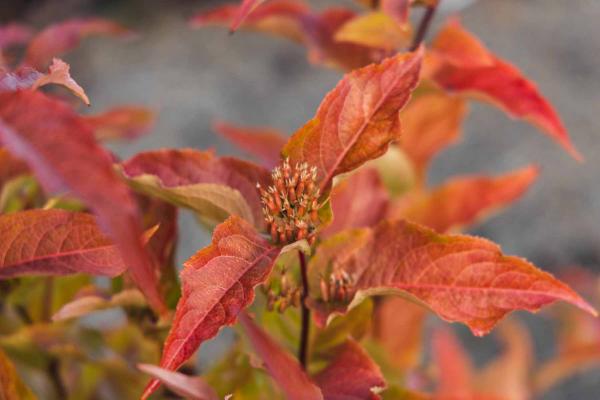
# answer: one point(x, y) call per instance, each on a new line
point(327, 253)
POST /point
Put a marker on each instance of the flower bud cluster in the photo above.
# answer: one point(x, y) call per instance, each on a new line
point(290, 205)
point(282, 295)
point(339, 288)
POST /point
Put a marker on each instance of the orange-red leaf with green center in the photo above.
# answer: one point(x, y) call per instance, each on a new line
point(124, 122)
point(352, 375)
point(60, 149)
point(358, 119)
point(55, 242)
point(430, 123)
point(464, 200)
point(460, 278)
point(264, 143)
point(217, 283)
point(359, 201)
point(282, 366)
point(59, 38)
point(500, 83)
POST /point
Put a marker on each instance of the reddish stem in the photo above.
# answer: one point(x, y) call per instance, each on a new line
point(423, 27)
point(305, 329)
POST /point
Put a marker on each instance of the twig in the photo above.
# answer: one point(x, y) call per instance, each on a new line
point(53, 370)
point(303, 348)
point(423, 27)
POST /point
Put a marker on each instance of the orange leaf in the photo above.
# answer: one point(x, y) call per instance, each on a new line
point(55, 242)
point(374, 29)
point(507, 376)
point(461, 278)
point(392, 316)
point(461, 67)
point(217, 283)
point(455, 373)
point(264, 143)
point(464, 200)
point(60, 149)
point(352, 375)
point(282, 367)
point(358, 119)
point(124, 122)
point(397, 9)
point(430, 123)
point(59, 38)
point(359, 201)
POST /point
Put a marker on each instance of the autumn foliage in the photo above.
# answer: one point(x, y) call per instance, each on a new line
point(330, 252)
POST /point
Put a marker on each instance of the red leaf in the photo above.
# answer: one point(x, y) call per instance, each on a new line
point(178, 168)
point(264, 143)
point(193, 388)
point(281, 17)
point(14, 34)
point(243, 11)
point(462, 201)
point(59, 147)
point(500, 83)
point(59, 38)
point(10, 167)
point(359, 201)
point(430, 123)
point(282, 367)
point(352, 375)
point(455, 373)
point(124, 122)
point(460, 278)
point(55, 242)
point(217, 283)
point(358, 119)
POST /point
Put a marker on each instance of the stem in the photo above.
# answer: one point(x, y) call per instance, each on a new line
point(303, 348)
point(423, 27)
point(53, 370)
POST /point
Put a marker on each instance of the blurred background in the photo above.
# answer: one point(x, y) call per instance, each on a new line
point(193, 77)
